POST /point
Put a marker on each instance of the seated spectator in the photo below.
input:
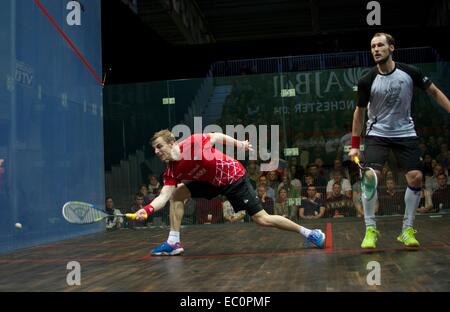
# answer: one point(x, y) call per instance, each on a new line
point(270, 191)
point(319, 181)
point(154, 187)
point(426, 202)
point(230, 215)
point(273, 179)
point(288, 183)
point(311, 207)
point(339, 167)
point(319, 163)
point(431, 183)
point(147, 197)
point(209, 211)
point(266, 201)
point(309, 181)
point(391, 199)
point(338, 205)
point(281, 203)
point(441, 196)
point(113, 222)
point(346, 188)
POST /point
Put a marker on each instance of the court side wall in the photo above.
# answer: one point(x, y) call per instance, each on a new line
point(51, 128)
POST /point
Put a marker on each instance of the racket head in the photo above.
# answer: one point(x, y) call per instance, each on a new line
point(82, 213)
point(369, 183)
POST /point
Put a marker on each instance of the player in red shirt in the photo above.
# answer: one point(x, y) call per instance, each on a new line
point(206, 172)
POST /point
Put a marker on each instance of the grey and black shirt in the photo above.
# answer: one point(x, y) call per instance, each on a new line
point(388, 98)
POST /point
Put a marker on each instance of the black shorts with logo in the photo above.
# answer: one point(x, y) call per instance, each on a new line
point(406, 151)
point(241, 194)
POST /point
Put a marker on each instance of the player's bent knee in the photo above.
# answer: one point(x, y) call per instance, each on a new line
point(181, 193)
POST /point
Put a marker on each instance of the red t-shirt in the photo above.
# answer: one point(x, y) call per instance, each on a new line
point(202, 162)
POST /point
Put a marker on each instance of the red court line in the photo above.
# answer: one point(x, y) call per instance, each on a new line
point(74, 48)
point(306, 252)
point(329, 237)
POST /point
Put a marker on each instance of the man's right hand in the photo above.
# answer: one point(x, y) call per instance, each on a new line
point(141, 215)
point(354, 152)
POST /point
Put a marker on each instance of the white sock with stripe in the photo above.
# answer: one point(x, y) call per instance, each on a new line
point(174, 237)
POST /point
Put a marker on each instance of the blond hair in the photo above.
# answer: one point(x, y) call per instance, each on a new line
point(165, 134)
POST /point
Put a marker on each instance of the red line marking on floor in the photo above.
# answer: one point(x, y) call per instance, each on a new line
point(329, 237)
point(74, 48)
point(306, 252)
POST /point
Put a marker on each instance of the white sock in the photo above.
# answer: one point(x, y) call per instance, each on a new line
point(174, 237)
point(369, 210)
point(412, 200)
point(304, 231)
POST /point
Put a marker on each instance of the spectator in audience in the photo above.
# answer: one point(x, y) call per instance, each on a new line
point(281, 204)
point(113, 222)
point(319, 163)
point(273, 179)
point(270, 191)
point(319, 181)
point(290, 183)
point(346, 188)
point(337, 166)
point(309, 181)
point(266, 201)
point(391, 199)
point(147, 197)
point(230, 215)
point(426, 202)
point(338, 205)
point(297, 171)
point(441, 196)
point(431, 183)
point(311, 207)
point(154, 187)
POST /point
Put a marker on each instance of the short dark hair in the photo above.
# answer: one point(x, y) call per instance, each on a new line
point(390, 40)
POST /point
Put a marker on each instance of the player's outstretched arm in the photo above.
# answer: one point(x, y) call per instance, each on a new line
point(218, 138)
point(157, 204)
point(439, 97)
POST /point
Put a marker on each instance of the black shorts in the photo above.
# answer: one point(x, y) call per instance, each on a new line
point(406, 151)
point(241, 194)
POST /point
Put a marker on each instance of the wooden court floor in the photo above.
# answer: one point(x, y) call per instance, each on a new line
point(238, 257)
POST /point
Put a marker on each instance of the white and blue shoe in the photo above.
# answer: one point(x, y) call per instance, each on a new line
point(166, 249)
point(317, 237)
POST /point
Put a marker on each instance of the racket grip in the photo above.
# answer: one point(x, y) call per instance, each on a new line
point(131, 216)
